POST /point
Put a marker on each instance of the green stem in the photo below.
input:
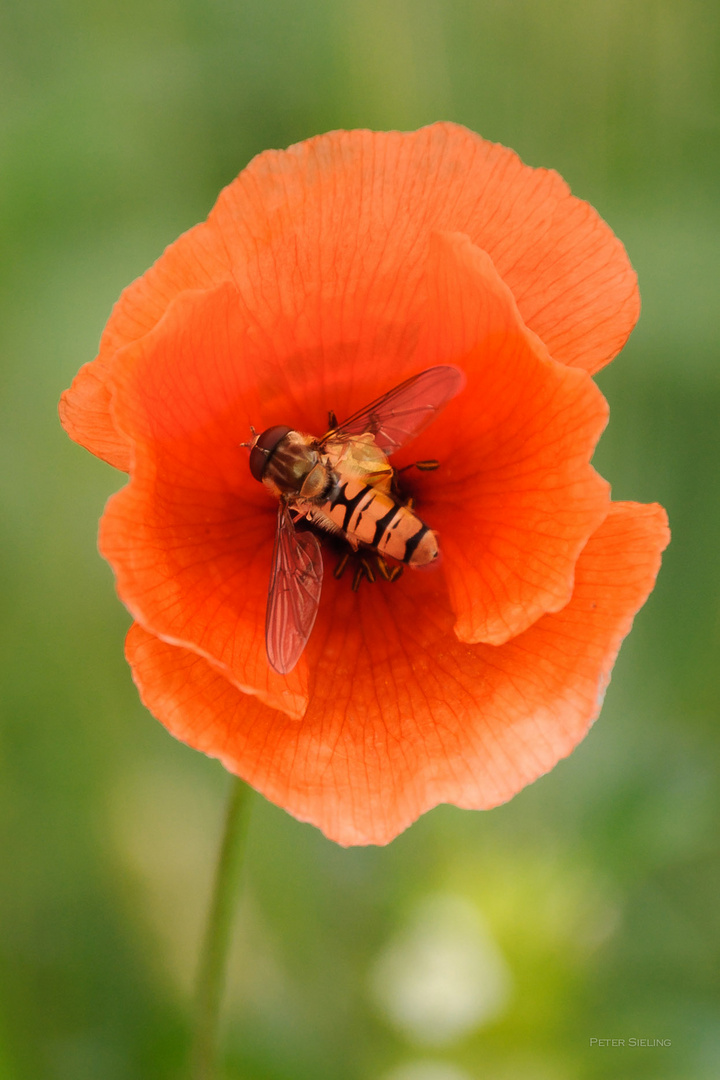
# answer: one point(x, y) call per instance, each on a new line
point(218, 932)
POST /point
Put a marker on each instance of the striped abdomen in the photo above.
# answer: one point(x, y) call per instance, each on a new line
point(370, 516)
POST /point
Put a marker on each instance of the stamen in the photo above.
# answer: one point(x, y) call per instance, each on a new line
point(359, 575)
point(383, 567)
point(369, 572)
point(396, 572)
point(340, 568)
point(424, 466)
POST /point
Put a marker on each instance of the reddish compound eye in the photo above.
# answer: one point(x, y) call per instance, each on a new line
point(264, 448)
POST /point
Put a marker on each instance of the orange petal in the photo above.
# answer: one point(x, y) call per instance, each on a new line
point(193, 261)
point(333, 231)
point(190, 536)
point(355, 209)
point(85, 414)
point(403, 716)
point(515, 499)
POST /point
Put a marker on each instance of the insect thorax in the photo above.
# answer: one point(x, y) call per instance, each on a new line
point(295, 467)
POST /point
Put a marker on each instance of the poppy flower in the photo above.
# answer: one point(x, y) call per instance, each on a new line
point(324, 276)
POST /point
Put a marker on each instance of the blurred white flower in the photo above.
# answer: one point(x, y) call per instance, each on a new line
point(427, 1070)
point(442, 975)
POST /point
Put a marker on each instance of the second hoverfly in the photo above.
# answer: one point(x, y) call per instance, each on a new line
point(342, 483)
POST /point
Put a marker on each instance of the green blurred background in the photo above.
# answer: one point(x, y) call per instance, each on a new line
point(477, 945)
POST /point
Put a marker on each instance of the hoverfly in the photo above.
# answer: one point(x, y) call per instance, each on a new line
point(342, 483)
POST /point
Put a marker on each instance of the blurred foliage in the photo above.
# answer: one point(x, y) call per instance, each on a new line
point(598, 885)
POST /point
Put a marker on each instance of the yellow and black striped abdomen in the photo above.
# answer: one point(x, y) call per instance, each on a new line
point(370, 516)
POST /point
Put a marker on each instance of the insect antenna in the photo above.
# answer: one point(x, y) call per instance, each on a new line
point(252, 441)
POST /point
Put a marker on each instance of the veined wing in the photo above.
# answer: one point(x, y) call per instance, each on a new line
point(401, 414)
point(294, 593)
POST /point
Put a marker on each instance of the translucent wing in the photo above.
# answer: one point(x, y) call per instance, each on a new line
point(294, 593)
point(401, 414)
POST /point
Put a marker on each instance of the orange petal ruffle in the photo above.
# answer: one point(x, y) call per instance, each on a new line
point(515, 499)
point(190, 536)
point(402, 715)
point(349, 213)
